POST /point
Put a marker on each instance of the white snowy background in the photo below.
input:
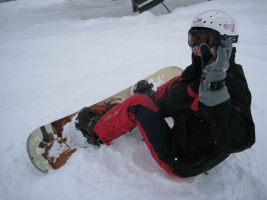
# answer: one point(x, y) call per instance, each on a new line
point(57, 56)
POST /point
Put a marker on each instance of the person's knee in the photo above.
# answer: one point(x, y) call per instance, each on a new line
point(143, 100)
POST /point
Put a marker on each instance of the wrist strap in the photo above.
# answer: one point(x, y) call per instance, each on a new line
point(216, 85)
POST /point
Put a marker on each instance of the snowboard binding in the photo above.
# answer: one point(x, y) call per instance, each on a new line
point(85, 122)
point(143, 87)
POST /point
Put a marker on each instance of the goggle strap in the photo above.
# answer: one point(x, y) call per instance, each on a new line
point(234, 38)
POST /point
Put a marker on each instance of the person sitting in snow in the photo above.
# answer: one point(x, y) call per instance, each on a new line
point(209, 103)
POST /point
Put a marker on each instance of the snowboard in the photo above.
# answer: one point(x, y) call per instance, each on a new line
point(50, 146)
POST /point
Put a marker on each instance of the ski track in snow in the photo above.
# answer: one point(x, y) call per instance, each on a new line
point(58, 55)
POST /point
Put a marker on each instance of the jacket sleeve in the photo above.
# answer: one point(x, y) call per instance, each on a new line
point(163, 89)
point(162, 94)
point(231, 122)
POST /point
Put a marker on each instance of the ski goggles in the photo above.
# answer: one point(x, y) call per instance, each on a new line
point(207, 36)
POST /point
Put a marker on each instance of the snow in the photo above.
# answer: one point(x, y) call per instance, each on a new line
point(59, 55)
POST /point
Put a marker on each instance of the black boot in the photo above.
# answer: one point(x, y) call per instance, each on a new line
point(85, 122)
point(143, 87)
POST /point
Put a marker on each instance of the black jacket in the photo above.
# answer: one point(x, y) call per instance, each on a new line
point(204, 136)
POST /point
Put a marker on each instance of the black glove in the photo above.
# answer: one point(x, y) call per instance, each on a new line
point(212, 89)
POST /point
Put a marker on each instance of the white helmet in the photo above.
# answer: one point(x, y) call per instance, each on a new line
point(218, 21)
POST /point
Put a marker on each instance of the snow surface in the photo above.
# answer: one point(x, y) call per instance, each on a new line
point(59, 55)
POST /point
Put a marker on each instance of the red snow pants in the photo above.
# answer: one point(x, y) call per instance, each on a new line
point(141, 111)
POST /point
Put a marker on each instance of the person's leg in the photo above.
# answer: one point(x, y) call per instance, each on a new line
point(119, 120)
point(138, 110)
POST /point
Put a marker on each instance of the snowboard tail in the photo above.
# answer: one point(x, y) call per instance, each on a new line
point(49, 148)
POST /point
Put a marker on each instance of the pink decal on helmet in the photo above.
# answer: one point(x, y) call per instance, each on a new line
point(229, 26)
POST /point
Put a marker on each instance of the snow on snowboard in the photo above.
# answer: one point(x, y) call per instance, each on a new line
point(49, 146)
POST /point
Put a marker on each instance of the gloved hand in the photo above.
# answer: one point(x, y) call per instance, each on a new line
point(212, 89)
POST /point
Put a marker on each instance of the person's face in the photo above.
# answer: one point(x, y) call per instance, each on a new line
point(198, 36)
point(196, 50)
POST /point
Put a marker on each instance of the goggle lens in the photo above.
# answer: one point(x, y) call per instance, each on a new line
point(197, 37)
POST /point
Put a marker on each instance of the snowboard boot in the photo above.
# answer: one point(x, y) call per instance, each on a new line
point(143, 87)
point(85, 122)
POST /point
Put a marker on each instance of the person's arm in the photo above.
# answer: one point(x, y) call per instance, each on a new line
point(226, 108)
